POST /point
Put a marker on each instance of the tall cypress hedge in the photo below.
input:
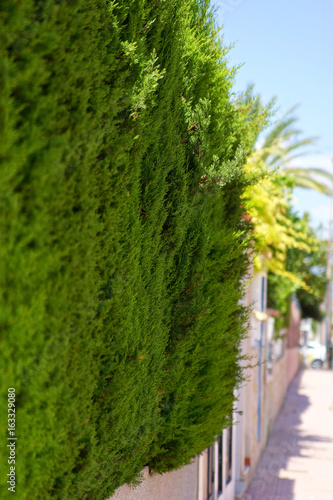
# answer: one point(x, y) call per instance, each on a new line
point(123, 245)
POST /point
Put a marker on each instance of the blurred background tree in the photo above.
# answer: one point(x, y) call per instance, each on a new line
point(288, 248)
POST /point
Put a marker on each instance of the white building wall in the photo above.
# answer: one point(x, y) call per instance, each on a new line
point(180, 484)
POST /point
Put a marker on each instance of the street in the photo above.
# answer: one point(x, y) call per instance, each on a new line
point(297, 463)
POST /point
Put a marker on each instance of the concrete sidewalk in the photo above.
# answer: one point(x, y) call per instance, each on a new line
point(297, 463)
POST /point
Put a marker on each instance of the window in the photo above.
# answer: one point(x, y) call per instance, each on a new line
point(220, 464)
point(211, 472)
point(229, 457)
point(214, 474)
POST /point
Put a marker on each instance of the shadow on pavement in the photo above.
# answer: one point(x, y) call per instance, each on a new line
point(273, 479)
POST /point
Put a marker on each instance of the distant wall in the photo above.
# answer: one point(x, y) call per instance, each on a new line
point(293, 334)
point(293, 363)
point(276, 389)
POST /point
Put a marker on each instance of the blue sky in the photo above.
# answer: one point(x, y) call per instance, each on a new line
point(286, 51)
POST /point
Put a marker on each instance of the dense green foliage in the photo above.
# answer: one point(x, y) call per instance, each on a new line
point(122, 250)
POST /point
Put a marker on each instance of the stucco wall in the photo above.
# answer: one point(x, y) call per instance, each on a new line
point(275, 386)
point(252, 447)
point(293, 362)
point(294, 326)
point(181, 484)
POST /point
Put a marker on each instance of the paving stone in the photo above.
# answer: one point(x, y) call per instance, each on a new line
point(297, 463)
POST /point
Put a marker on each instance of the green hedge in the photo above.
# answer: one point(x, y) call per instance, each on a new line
point(123, 245)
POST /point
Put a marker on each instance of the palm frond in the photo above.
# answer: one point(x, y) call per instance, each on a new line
point(313, 171)
point(306, 182)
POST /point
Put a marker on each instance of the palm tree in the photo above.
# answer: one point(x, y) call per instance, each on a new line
point(282, 145)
